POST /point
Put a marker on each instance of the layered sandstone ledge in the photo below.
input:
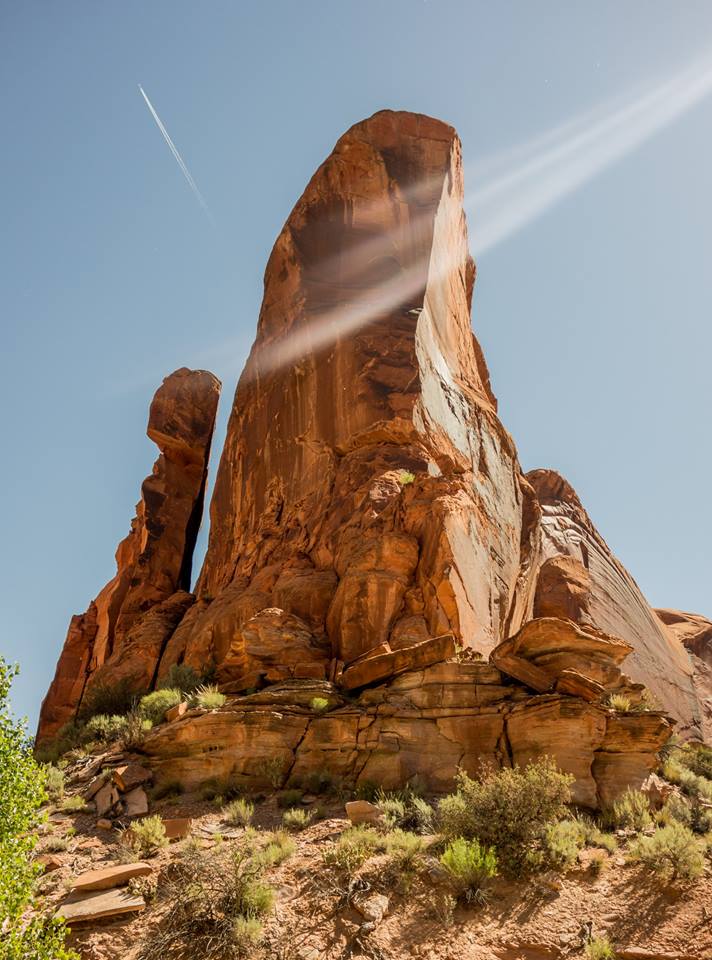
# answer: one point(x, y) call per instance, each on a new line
point(372, 532)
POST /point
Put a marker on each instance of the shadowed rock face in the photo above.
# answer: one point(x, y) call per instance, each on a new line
point(121, 636)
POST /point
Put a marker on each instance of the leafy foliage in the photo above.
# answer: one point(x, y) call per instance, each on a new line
point(508, 810)
point(25, 933)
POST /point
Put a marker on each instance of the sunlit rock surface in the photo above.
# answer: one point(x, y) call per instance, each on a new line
point(373, 541)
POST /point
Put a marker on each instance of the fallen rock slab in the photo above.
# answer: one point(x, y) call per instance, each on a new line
point(94, 905)
point(136, 802)
point(386, 665)
point(49, 862)
point(363, 811)
point(131, 775)
point(108, 877)
point(174, 713)
point(177, 828)
point(106, 798)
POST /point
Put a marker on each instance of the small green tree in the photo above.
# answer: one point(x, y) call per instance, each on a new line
point(23, 933)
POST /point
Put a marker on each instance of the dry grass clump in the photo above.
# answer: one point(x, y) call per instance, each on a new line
point(600, 948)
point(405, 810)
point(239, 812)
point(279, 847)
point(208, 697)
point(296, 819)
point(672, 852)
point(75, 804)
point(215, 903)
point(508, 810)
point(404, 848)
point(618, 702)
point(54, 781)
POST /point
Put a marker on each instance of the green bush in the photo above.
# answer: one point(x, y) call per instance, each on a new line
point(208, 697)
point(144, 838)
point(135, 729)
point(698, 759)
point(181, 677)
point(691, 813)
point(354, 847)
point(103, 728)
point(322, 782)
point(689, 782)
point(509, 810)
point(25, 932)
point(319, 704)
point(631, 811)
point(406, 477)
point(599, 948)
point(54, 782)
point(594, 836)
point(154, 705)
point(75, 804)
point(296, 819)
point(405, 809)
point(214, 903)
point(672, 852)
point(562, 842)
point(469, 867)
point(239, 812)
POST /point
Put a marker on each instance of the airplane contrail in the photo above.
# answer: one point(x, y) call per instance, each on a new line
point(179, 160)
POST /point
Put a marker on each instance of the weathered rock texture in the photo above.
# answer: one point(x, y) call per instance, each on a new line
point(694, 632)
point(373, 539)
point(122, 634)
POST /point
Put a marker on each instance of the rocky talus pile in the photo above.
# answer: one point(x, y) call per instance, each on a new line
point(374, 544)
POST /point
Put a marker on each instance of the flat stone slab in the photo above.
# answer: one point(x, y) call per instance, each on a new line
point(136, 802)
point(83, 907)
point(131, 775)
point(108, 877)
point(363, 811)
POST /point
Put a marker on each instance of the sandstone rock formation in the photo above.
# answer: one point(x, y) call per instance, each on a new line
point(122, 634)
point(694, 632)
point(373, 539)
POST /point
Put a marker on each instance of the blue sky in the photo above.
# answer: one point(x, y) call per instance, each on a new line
point(594, 316)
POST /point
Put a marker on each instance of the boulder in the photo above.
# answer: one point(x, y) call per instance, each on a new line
point(135, 802)
point(130, 775)
point(106, 798)
point(177, 828)
point(363, 811)
point(175, 713)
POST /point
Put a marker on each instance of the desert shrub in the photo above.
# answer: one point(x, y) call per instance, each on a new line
point(144, 838)
point(672, 852)
point(691, 813)
point(469, 866)
point(289, 798)
point(406, 477)
point(104, 728)
point(135, 729)
point(698, 759)
point(405, 809)
point(599, 948)
point(181, 677)
point(354, 847)
point(631, 811)
point(618, 702)
point(279, 847)
point(646, 703)
point(239, 812)
point(319, 704)
point(75, 804)
point(404, 848)
point(272, 769)
point(154, 705)
point(508, 810)
point(296, 819)
point(594, 836)
point(691, 783)
point(110, 699)
point(562, 842)
point(24, 931)
point(208, 697)
point(214, 903)
point(54, 782)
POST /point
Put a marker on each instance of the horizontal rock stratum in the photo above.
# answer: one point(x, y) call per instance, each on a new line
point(372, 534)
